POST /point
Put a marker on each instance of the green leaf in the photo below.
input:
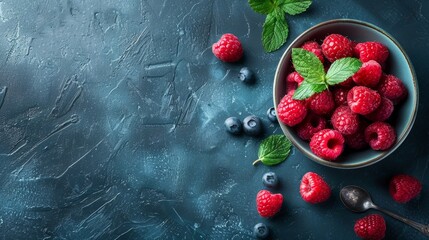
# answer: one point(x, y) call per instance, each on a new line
point(308, 65)
point(342, 69)
point(275, 30)
point(294, 7)
point(262, 6)
point(273, 150)
point(306, 90)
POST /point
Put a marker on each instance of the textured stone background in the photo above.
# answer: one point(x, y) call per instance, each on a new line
point(111, 122)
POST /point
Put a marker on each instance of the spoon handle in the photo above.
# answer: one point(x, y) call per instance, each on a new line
point(422, 228)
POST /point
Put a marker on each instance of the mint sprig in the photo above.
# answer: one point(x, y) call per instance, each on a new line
point(309, 66)
point(273, 150)
point(275, 29)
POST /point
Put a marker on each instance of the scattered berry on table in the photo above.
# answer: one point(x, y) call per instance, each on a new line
point(367, 51)
point(228, 48)
point(314, 189)
point(252, 125)
point(321, 103)
point(363, 100)
point(404, 187)
point(314, 47)
point(345, 121)
point(291, 111)
point(380, 135)
point(368, 75)
point(327, 144)
point(340, 96)
point(271, 114)
point(270, 180)
point(336, 46)
point(311, 125)
point(233, 125)
point(371, 227)
point(268, 204)
point(261, 231)
point(383, 112)
point(246, 75)
point(392, 88)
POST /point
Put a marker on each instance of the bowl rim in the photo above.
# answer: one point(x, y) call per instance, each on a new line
point(400, 138)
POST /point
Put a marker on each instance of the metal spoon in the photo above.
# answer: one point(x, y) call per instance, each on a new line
point(358, 200)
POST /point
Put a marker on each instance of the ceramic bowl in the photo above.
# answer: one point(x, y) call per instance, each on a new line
point(397, 64)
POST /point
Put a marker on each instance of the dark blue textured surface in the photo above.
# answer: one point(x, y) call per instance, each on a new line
point(112, 122)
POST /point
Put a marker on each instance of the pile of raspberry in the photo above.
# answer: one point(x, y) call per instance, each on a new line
point(353, 114)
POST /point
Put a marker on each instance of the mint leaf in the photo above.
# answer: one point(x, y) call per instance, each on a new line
point(308, 65)
point(262, 6)
point(273, 150)
point(294, 7)
point(342, 69)
point(275, 30)
point(306, 90)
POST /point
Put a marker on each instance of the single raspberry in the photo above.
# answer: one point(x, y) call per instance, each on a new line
point(314, 47)
point(380, 135)
point(348, 83)
point(327, 144)
point(321, 103)
point(268, 204)
point(357, 140)
point(371, 51)
point(314, 189)
point(340, 96)
point(345, 121)
point(368, 75)
point(293, 80)
point(228, 48)
point(383, 112)
point(291, 111)
point(392, 88)
point(311, 125)
point(371, 227)
point(403, 188)
point(363, 100)
point(336, 46)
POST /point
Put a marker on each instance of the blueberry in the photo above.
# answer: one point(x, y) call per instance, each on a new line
point(261, 231)
point(246, 75)
point(252, 125)
point(271, 114)
point(270, 179)
point(233, 125)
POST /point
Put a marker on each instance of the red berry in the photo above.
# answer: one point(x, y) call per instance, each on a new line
point(371, 227)
point(345, 121)
point(314, 47)
point(403, 188)
point(336, 46)
point(228, 48)
point(291, 111)
point(340, 96)
point(311, 125)
point(383, 112)
point(356, 140)
point(348, 83)
point(293, 80)
point(314, 189)
point(268, 204)
point(380, 135)
point(392, 88)
point(321, 103)
point(327, 144)
point(363, 100)
point(371, 51)
point(368, 75)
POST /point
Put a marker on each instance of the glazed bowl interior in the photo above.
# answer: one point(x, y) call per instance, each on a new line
point(397, 64)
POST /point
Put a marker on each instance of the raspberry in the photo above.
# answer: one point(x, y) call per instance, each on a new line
point(380, 135)
point(291, 111)
point(311, 125)
point(356, 140)
point(403, 188)
point(348, 83)
point(368, 75)
point(293, 80)
point(327, 144)
point(314, 47)
point(340, 96)
point(371, 51)
point(392, 88)
point(228, 48)
point(363, 100)
point(268, 204)
point(371, 227)
point(383, 112)
point(336, 46)
point(321, 103)
point(345, 121)
point(314, 189)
